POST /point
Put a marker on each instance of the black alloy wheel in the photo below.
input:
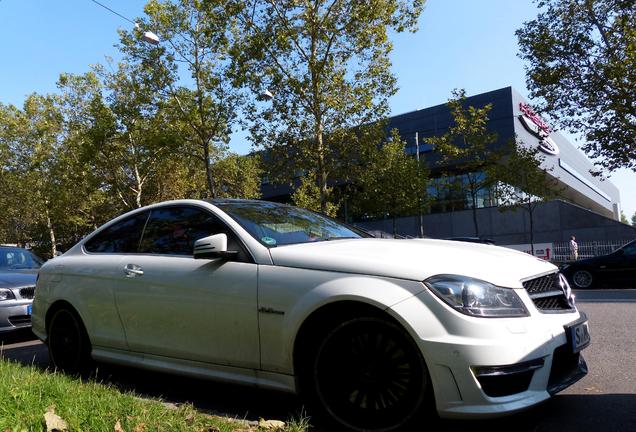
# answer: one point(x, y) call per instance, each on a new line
point(582, 279)
point(370, 376)
point(69, 346)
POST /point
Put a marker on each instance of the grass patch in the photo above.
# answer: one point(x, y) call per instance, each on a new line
point(26, 393)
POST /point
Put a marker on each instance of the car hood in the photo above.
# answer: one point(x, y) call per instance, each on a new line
point(414, 259)
point(17, 278)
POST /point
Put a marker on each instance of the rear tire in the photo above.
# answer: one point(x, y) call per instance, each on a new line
point(69, 346)
point(367, 374)
point(582, 279)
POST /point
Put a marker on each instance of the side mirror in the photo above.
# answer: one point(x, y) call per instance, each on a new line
point(214, 246)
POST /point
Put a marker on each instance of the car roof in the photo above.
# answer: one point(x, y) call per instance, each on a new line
point(15, 248)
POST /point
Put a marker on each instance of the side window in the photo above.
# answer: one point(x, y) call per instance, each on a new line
point(173, 230)
point(630, 250)
point(122, 237)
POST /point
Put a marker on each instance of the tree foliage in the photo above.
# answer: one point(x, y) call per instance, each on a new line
point(581, 66)
point(196, 38)
point(392, 183)
point(307, 195)
point(624, 218)
point(467, 148)
point(523, 182)
point(327, 65)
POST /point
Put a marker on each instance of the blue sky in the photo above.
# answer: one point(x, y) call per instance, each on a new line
point(460, 44)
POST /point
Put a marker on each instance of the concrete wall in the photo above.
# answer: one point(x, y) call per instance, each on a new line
point(554, 221)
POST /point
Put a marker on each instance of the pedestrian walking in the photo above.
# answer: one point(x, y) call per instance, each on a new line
point(574, 249)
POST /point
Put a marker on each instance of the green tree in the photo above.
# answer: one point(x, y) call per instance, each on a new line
point(467, 148)
point(624, 218)
point(634, 220)
point(90, 127)
point(327, 65)
point(307, 195)
point(523, 182)
point(143, 136)
point(122, 130)
point(581, 66)
point(33, 138)
point(196, 37)
point(392, 183)
point(241, 176)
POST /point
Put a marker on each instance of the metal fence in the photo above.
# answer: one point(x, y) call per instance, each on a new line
point(561, 251)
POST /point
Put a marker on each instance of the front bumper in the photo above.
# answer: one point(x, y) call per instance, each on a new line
point(482, 367)
point(14, 315)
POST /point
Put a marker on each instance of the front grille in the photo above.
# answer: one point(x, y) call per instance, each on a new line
point(549, 293)
point(27, 293)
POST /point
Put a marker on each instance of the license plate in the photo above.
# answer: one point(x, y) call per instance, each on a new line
point(579, 336)
point(29, 309)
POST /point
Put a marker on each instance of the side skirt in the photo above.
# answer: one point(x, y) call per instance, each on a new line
point(207, 371)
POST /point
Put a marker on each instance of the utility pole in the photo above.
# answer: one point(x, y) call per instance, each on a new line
point(419, 195)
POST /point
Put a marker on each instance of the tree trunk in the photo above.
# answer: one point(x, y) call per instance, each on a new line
point(208, 170)
point(531, 214)
point(139, 187)
point(138, 180)
point(474, 198)
point(49, 226)
point(394, 225)
point(322, 172)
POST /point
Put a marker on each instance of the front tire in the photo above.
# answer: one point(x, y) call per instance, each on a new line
point(368, 375)
point(582, 279)
point(69, 346)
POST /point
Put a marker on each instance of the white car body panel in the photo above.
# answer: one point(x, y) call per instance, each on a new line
point(453, 347)
point(88, 282)
point(194, 369)
point(238, 321)
point(413, 259)
point(296, 293)
point(215, 321)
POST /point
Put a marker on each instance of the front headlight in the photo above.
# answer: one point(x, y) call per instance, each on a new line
point(6, 294)
point(476, 297)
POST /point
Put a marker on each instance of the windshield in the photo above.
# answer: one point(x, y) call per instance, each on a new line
point(16, 258)
point(275, 224)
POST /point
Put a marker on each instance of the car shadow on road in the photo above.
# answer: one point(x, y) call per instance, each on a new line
point(563, 413)
point(16, 336)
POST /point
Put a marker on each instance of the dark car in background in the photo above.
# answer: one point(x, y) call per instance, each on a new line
point(18, 272)
point(614, 270)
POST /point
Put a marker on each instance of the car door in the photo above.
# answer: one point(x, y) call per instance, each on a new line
point(95, 275)
point(625, 272)
point(618, 268)
point(173, 305)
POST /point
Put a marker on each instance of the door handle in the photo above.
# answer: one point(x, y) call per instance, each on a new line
point(133, 270)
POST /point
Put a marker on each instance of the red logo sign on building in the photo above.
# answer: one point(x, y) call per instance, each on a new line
point(534, 124)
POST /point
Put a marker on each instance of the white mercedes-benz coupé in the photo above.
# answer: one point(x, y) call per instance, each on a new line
point(374, 333)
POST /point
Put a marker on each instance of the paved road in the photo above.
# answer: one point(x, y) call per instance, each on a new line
point(605, 400)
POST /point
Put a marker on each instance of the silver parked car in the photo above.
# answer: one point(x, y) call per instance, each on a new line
point(18, 272)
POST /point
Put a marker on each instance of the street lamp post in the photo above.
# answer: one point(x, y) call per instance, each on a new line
point(419, 196)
